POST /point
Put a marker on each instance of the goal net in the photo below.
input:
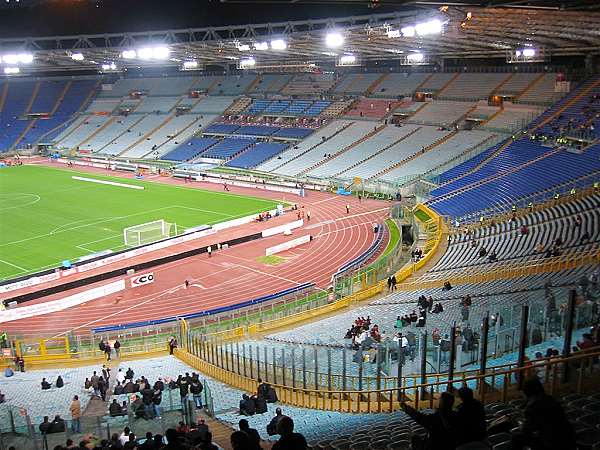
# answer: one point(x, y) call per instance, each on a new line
point(146, 233)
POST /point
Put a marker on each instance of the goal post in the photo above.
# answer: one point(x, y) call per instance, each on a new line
point(146, 233)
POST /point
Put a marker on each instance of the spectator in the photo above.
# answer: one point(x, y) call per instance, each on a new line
point(131, 444)
point(247, 406)
point(440, 425)
point(117, 347)
point(124, 437)
point(199, 432)
point(58, 425)
point(156, 401)
point(288, 440)
point(196, 390)
point(59, 382)
point(174, 440)
point(147, 399)
point(2, 398)
point(115, 409)
point(119, 389)
point(8, 372)
point(470, 418)
point(545, 425)
point(76, 415)
point(45, 426)
point(253, 435)
point(184, 386)
point(240, 441)
point(149, 443)
point(129, 374)
point(45, 385)
point(120, 376)
point(272, 426)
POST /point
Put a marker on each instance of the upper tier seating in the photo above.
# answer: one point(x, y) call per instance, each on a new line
point(227, 148)
point(354, 132)
point(103, 105)
point(134, 134)
point(189, 150)
point(233, 84)
point(293, 133)
point(396, 85)
point(153, 104)
point(177, 129)
point(447, 150)
point(511, 119)
point(436, 82)
point(308, 84)
point(221, 128)
point(257, 154)
point(81, 128)
point(517, 83)
point(372, 108)
point(466, 166)
point(441, 113)
point(271, 83)
point(47, 95)
point(212, 105)
point(408, 147)
point(112, 129)
point(356, 83)
point(307, 108)
point(15, 105)
point(361, 151)
point(474, 86)
point(541, 92)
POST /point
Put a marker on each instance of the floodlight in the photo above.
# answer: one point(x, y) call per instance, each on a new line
point(408, 31)
point(160, 52)
point(518, 53)
point(247, 63)
point(261, 46)
point(334, 40)
point(25, 58)
point(10, 59)
point(243, 47)
point(393, 34)
point(348, 59)
point(77, 56)
point(431, 27)
point(128, 54)
point(145, 53)
point(190, 64)
point(109, 66)
point(11, 70)
point(278, 44)
point(415, 57)
point(528, 52)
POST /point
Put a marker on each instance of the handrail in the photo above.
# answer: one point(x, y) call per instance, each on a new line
point(389, 399)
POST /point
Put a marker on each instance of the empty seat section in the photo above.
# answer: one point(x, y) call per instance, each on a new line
point(109, 132)
point(160, 104)
point(256, 130)
point(172, 86)
point(212, 105)
point(47, 96)
point(189, 150)
point(397, 85)
point(72, 137)
point(357, 83)
point(474, 86)
point(101, 105)
point(517, 83)
point(293, 133)
point(11, 123)
point(134, 134)
point(228, 148)
point(257, 154)
point(271, 83)
point(221, 128)
point(441, 113)
point(372, 108)
point(541, 92)
point(233, 84)
point(309, 84)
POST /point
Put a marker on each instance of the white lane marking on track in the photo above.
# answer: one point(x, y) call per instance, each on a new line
point(324, 200)
point(267, 274)
point(14, 265)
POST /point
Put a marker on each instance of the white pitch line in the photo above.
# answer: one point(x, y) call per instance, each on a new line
point(14, 265)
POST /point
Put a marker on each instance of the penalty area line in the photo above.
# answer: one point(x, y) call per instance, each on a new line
point(14, 265)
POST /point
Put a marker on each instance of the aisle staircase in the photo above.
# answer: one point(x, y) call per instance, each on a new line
point(148, 134)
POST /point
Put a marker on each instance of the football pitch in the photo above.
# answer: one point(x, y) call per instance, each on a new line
point(46, 216)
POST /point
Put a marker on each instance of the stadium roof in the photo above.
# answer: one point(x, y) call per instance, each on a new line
point(490, 32)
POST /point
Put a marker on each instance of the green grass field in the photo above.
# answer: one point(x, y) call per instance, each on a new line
point(47, 217)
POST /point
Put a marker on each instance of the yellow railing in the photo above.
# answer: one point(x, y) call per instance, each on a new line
point(498, 385)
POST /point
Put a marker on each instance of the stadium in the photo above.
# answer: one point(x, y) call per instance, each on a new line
point(339, 224)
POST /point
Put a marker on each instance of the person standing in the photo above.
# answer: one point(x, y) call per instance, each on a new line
point(308, 216)
point(95, 381)
point(76, 415)
point(209, 251)
point(196, 390)
point(117, 347)
point(347, 209)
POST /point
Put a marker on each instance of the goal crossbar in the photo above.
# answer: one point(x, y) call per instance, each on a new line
point(148, 232)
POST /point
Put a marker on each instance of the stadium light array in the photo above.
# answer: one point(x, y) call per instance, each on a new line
point(278, 44)
point(333, 40)
point(13, 58)
point(243, 47)
point(348, 59)
point(147, 53)
point(408, 31)
point(261, 46)
point(247, 63)
point(109, 66)
point(11, 70)
point(415, 57)
point(421, 29)
point(77, 57)
point(190, 65)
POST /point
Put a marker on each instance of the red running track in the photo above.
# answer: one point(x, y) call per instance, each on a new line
point(230, 276)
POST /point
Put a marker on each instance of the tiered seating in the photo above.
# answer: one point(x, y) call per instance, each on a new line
point(257, 154)
point(351, 134)
point(516, 179)
point(258, 106)
point(293, 133)
point(166, 138)
point(47, 96)
point(397, 85)
point(466, 166)
point(436, 82)
point(441, 113)
point(154, 104)
point(363, 150)
point(132, 135)
point(372, 108)
point(510, 120)
point(288, 107)
point(190, 149)
point(80, 130)
point(337, 108)
point(233, 84)
point(228, 148)
point(117, 127)
point(171, 86)
point(439, 154)
point(271, 83)
point(308, 84)
point(256, 130)
point(541, 92)
point(212, 105)
point(17, 100)
point(221, 128)
point(404, 149)
point(102, 105)
point(517, 83)
point(474, 86)
point(356, 83)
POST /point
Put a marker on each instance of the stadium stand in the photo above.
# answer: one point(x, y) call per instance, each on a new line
point(473, 86)
point(256, 154)
point(227, 148)
point(372, 108)
point(397, 85)
point(540, 91)
point(189, 150)
point(357, 83)
point(308, 84)
point(270, 83)
point(441, 113)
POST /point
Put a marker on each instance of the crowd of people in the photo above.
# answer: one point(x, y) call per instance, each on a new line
point(257, 402)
